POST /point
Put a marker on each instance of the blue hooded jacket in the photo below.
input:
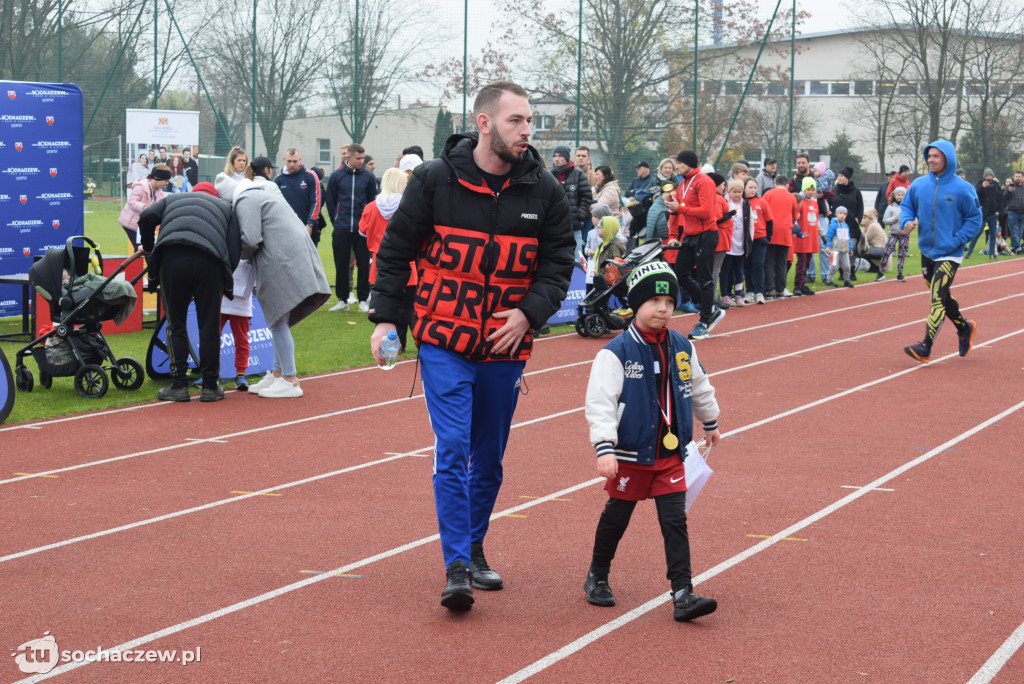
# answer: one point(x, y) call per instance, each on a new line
point(946, 208)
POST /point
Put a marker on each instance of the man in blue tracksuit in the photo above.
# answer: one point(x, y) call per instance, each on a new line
point(349, 189)
point(946, 211)
point(301, 189)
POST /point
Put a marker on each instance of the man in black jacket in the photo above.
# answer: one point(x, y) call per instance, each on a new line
point(577, 191)
point(491, 234)
point(193, 259)
point(349, 189)
point(1013, 200)
point(991, 198)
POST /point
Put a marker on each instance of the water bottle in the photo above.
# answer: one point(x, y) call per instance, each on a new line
point(389, 348)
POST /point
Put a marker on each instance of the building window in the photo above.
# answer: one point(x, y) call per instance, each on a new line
point(800, 87)
point(840, 88)
point(778, 88)
point(863, 87)
point(818, 88)
point(323, 150)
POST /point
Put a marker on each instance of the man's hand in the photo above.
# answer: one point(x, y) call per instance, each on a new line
point(309, 229)
point(909, 226)
point(673, 243)
point(607, 466)
point(379, 333)
point(672, 205)
point(508, 336)
point(713, 437)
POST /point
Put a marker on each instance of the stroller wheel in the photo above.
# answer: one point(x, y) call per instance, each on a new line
point(23, 379)
point(595, 325)
point(45, 379)
point(581, 329)
point(127, 375)
point(91, 381)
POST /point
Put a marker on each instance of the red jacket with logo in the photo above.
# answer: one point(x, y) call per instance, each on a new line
point(697, 206)
point(476, 252)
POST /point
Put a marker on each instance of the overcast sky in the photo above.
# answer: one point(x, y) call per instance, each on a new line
point(826, 15)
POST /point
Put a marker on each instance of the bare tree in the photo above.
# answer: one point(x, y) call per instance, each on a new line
point(392, 44)
point(290, 49)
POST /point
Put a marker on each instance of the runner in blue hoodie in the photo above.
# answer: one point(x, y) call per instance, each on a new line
point(946, 211)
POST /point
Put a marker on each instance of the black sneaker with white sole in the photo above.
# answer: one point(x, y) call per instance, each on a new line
point(457, 594)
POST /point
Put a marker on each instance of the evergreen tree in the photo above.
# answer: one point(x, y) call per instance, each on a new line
point(442, 130)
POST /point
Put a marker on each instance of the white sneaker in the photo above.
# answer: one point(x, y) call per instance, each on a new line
point(749, 298)
point(759, 298)
point(265, 382)
point(351, 297)
point(363, 307)
point(281, 389)
point(786, 292)
point(340, 306)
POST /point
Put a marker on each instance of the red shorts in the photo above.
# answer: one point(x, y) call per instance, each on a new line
point(638, 482)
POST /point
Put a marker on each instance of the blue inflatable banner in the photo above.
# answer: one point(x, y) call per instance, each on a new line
point(41, 198)
point(261, 346)
point(6, 388)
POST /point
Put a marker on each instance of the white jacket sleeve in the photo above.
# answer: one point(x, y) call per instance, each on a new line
point(603, 392)
point(705, 406)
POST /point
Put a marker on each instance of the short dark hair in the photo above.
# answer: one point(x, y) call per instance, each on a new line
point(356, 148)
point(584, 148)
point(186, 147)
point(781, 180)
point(804, 155)
point(492, 92)
point(413, 149)
point(607, 171)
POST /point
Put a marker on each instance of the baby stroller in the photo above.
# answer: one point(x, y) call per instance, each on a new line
point(79, 302)
point(595, 316)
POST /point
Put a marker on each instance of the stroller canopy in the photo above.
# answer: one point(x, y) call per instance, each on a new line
point(47, 274)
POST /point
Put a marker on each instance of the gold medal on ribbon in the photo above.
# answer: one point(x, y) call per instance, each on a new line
point(670, 441)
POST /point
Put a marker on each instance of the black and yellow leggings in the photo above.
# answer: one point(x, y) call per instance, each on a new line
point(939, 275)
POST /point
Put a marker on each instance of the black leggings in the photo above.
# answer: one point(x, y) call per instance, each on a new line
point(672, 518)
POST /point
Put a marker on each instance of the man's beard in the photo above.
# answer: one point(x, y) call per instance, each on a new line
point(505, 152)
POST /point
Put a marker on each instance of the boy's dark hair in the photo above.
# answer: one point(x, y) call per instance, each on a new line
point(413, 149)
point(491, 93)
point(781, 180)
point(356, 148)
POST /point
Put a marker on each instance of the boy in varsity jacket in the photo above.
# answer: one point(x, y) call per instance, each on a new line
point(646, 386)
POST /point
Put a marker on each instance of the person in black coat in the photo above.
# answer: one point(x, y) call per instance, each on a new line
point(847, 194)
point(193, 259)
point(991, 197)
point(577, 191)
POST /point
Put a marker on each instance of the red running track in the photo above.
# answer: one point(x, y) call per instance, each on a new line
point(863, 522)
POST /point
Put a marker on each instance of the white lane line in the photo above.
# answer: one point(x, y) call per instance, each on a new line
point(626, 618)
point(635, 612)
point(994, 664)
point(363, 369)
point(540, 419)
point(877, 489)
point(128, 645)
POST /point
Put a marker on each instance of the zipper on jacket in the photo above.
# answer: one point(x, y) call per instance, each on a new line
point(487, 273)
point(935, 200)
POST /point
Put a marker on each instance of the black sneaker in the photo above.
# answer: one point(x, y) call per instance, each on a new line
point(173, 394)
point(797, 292)
point(689, 606)
point(900, 278)
point(847, 283)
point(597, 589)
point(457, 594)
point(806, 290)
point(966, 337)
point(481, 575)
point(880, 277)
point(215, 393)
point(853, 276)
point(918, 352)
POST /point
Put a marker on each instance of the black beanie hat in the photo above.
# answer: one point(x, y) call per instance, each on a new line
point(847, 171)
point(688, 157)
point(564, 151)
point(716, 178)
point(649, 280)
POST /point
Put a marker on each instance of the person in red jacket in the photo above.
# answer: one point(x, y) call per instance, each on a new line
point(760, 228)
point(786, 214)
point(806, 243)
point(695, 207)
point(900, 180)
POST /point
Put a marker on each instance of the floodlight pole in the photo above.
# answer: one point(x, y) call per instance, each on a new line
point(696, 24)
point(355, 83)
point(252, 100)
point(156, 54)
point(792, 82)
point(60, 41)
point(465, 62)
point(579, 77)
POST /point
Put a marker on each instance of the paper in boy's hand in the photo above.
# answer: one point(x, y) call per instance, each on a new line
point(697, 473)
